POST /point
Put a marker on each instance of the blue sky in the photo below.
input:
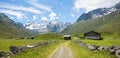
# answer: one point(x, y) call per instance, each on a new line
point(50, 10)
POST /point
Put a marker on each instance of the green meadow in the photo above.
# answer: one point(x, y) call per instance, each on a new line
point(45, 51)
point(81, 52)
point(105, 42)
point(5, 43)
point(38, 52)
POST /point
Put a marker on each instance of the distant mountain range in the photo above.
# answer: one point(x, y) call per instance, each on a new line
point(104, 20)
point(10, 29)
point(45, 27)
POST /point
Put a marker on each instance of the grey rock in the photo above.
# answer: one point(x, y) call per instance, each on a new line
point(118, 53)
point(2, 54)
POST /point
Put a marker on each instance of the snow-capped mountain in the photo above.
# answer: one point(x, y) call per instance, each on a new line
point(44, 27)
point(98, 12)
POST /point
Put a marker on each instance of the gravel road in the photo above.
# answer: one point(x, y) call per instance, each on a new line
point(62, 52)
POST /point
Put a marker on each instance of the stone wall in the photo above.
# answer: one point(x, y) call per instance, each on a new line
point(112, 50)
point(18, 49)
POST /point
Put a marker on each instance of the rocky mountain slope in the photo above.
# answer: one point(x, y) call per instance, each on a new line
point(98, 13)
point(10, 29)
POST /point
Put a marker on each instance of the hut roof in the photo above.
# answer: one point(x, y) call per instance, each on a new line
point(67, 35)
point(92, 32)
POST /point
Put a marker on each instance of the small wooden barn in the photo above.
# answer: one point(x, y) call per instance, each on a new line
point(67, 37)
point(93, 35)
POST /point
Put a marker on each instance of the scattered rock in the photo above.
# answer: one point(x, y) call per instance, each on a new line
point(92, 47)
point(118, 53)
point(13, 49)
point(18, 49)
point(100, 48)
point(112, 50)
point(105, 48)
point(2, 54)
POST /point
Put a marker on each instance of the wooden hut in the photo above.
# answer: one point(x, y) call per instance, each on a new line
point(67, 37)
point(93, 35)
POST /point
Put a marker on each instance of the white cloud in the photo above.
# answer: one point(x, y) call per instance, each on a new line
point(34, 17)
point(38, 5)
point(22, 8)
point(53, 16)
point(72, 15)
point(19, 15)
point(94, 4)
point(44, 18)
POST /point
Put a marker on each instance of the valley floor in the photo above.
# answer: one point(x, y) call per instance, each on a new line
point(61, 49)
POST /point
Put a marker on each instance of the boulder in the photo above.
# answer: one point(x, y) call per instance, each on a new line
point(2, 54)
point(29, 46)
point(105, 48)
point(112, 47)
point(112, 51)
point(92, 47)
point(118, 53)
point(100, 48)
point(13, 49)
point(20, 48)
point(97, 47)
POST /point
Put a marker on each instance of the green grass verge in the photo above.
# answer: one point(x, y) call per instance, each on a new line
point(38, 52)
point(81, 52)
point(105, 42)
point(5, 43)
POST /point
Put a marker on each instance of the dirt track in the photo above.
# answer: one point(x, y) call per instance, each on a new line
point(62, 52)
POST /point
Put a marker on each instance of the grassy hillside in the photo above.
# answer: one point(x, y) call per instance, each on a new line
point(9, 29)
point(49, 36)
point(107, 24)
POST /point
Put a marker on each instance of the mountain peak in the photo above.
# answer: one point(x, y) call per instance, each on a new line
point(44, 27)
point(117, 6)
point(98, 12)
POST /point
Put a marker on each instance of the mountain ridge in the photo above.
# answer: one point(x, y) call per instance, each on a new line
point(45, 27)
point(98, 12)
point(106, 24)
point(10, 29)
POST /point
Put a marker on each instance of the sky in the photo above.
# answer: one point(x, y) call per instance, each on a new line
point(50, 10)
